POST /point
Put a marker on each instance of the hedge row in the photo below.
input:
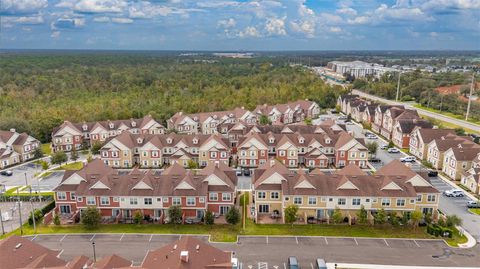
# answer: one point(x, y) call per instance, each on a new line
point(438, 230)
point(39, 213)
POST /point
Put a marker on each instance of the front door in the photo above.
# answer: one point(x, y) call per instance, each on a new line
point(200, 214)
point(224, 210)
point(65, 209)
point(320, 214)
point(115, 212)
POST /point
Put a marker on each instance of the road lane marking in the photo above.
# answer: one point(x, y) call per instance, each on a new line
point(60, 253)
point(33, 238)
point(326, 241)
point(296, 239)
point(149, 240)
point(93, 237)
point(416, 243)
point(121, 237)
point(355, 241)
point(63, 238)
point(311, 265)
point(267, 240)
point(384, 240)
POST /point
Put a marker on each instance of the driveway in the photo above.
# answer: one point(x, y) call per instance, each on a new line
point(448, 205)
point(256, 251)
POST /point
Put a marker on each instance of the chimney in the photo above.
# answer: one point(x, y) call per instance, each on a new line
point(184, 256)
point(12, 130)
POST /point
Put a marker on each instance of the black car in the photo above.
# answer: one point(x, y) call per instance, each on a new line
point(7, 173)
point(246, 172)
point(374, 160)
point(432, 173)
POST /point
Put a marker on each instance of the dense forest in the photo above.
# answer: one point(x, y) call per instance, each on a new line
point(420, 87)
point(39, 92)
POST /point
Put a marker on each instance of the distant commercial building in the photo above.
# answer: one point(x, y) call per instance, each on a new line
point(359, 69)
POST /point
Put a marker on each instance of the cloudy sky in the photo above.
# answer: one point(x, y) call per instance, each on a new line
point(241, 24)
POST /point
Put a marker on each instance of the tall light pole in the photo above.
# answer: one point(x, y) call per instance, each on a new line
point(31, 203)
point(94, 253)
point(398, 86)
point(470, 96)
point(1, 221)
point(20, 212)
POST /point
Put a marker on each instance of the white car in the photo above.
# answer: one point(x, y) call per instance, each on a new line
point(454, 193)
point(408, 159)
point(393, 150)
point(384, 147)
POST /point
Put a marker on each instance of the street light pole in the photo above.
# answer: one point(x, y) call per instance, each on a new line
point(1, 221)
point(398, 86)
point(470, 97)
point(94, 253)
point(31, 203)
point(20, 213)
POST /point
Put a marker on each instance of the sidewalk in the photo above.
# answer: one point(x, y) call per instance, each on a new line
point(378, 266)
point(471, 240)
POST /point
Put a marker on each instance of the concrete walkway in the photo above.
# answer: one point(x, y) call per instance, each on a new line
point(471, 241)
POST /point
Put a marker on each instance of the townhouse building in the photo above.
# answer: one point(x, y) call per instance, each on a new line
point(437, 147)
point(288, 113)
point(209, 122)
point(16, 147)
point(471, 178)
point(119, 196)
point(403, 128)
point(343, 101)
point(379, 118)
point(458, 160)
point(69, 136)
point(421, 137)
point(394, 188)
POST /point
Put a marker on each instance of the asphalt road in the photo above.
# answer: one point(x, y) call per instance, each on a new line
point(462, 123)
point(274, 251)
point(448, 205)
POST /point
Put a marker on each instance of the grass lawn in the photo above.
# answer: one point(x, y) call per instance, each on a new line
point(71, 166)
point(46, 149)
point(449, 125)
point(446, 113)
point(475, 210)
point(456, 239)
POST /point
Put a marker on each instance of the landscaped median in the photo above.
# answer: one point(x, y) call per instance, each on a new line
point(474, 210)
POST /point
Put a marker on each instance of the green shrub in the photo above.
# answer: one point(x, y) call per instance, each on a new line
point(56, 220)
point(209, 218)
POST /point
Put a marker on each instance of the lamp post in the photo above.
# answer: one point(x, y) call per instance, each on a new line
point(1, 221)
point(94, 253)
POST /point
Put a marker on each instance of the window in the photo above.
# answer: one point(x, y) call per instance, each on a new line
point(114, 153)
point(61, 196)
point(226, 197)
point(419, 198)
point(263, 208)
point(125, 153)
point(104, 154)
point(201, 200)
point(147, 201)
point(297, 200)
point(274, 195)
point(367, 200)
point(356, 201)
point(400, 202)
point(312, 200)
point(115, 199)
point(176, 201)
point(431, 198)
point(80, 199)
point(261, 195)
point(213, 154)
point(213, 196)
point(165, 199)
point(133, 201)
point(341, 201)
point(90, 200)
point(104, 200)
point(330, 199)
point(385, 202)
point(190, 200)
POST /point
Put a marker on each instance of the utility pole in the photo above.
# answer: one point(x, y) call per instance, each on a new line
point(31, 204)
point(20, 213)
point(398, 86)
point(1, 221)
point(470, 96)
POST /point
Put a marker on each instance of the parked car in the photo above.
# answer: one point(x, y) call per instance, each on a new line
point(473, 204)
point(7, 173)
point(342, 117)
point(370, 136)
point(408, 159)
point(293, 263)
point(349, 123)
point(375, 160)
point(393, 150)
point(246, 172)
point(432, 173)
point(384, 147)
point(238, 172)
point(454, 193)
point(311, 220)
point(320, 264)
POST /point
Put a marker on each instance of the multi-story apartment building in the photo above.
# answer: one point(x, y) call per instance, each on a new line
point(421, 137)
point(70, 136)
point(288, 113)
point(437, 147)
point(208, 122)
point(403, 128)
point(16, 147)
point(119, 196)
point(379, 118)
point(458, 160)
point(394, 188)
point(471, 178)
point(359, 69)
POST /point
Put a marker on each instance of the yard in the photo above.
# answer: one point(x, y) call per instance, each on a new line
point(46, 149)
point(71, 166)
point(475, 210)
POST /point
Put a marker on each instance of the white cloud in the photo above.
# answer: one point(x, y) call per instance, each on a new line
point(227, 23)
point(21, 6)
point(23, 20)
point(347, 11)
point(250, 31)
point(433, 34)
point(401, 13)
point(335, 29)
point(122, 20)
point(275, 26)
point(306, 27)
point(55, 34)
point(66, 3)
point(100, 6)
point(147, 10)
point(359, 20)
point(219, 4)
point(101, 19)
point(67, 23)
point(450, 4)
point(329, 19)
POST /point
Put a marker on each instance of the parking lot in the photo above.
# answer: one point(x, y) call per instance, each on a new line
point(272, 252)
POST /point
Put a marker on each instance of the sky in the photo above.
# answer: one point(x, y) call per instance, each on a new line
point(241, 24)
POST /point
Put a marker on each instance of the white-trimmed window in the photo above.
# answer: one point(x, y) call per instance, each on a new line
point(133, 201)
point(431, 198)
point(147, 200)
point(342, 201)
point(356, 201)
point(61, 196)
point(297, 200)
point(226, 196)
point(165, 199)
point(400, 202)
point(201, 200)
point(79, 199)
point(419, 198)
point(312, 200)
point(261, 195)
point(274, 195)
point(91, 200)
point(385, 202)
point(191, 201)
point(115, 199)
point(104, 200)
point(213, 196)
point(176, 201)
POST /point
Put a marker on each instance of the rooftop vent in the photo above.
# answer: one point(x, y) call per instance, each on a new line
point(184, 256)
point(18, 245)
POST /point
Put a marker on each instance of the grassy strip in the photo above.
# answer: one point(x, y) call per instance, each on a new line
point(474, 210)
point(446, 113)
point(448, 125)
point(71, 166)
point(456, 239)
point(46, 149)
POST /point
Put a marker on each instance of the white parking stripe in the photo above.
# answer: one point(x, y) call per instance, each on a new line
point(296, 239)
point(33, 238)
point(326, 241)
point(355, 241)
point(284, 266)
point(416, 243)
point(267, 240)
point(386, 242)
point(311, 265)
point(93, 237)
point(149, 240)
point(60, 253)
point(121, 237)
point(63, 238)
